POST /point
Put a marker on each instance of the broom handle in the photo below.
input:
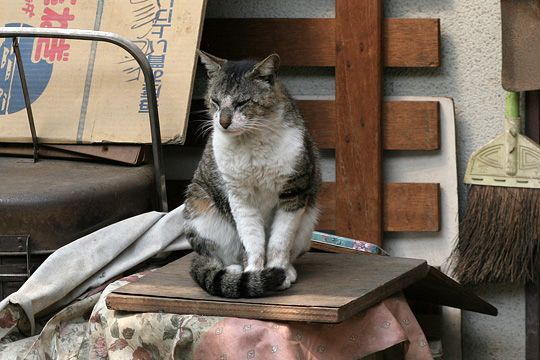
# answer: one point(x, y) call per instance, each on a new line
point(511, 127)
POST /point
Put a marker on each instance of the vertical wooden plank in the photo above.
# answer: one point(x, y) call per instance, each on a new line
point(358, 108)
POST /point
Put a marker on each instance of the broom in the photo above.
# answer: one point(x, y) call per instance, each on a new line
point(499, 238)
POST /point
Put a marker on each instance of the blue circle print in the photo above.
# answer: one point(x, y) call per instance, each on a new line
point(37, 74)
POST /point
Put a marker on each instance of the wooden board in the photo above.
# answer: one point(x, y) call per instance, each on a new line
point(411, 207)
point(359, 108)
point(437, 288)
point(412, 41)
point(407, 125)
point(406, 207)
point(411, 125)
point(330, 288)
point(312, 42)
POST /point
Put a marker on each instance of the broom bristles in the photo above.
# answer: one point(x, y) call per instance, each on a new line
point(499, 238)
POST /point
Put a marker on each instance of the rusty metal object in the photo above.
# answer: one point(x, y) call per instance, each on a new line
point(520, 44)
point(15, 245)
point(56, 202)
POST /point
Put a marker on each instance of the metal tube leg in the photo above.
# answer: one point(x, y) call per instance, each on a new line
point(26, 95)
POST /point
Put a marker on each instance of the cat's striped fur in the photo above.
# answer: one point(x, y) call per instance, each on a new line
point(252, 204)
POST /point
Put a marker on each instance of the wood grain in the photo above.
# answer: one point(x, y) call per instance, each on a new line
point(359, 110)
point(411, 125)
point(327, 204)
point(348, 284)
point(312, 42)
point(406, 207)
point(299, 42)
point(412, 207)
point(141, 303)
point(412, 42)
point(407, 125)
point(320, 117)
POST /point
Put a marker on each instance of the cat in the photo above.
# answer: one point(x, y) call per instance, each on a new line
point(252, 204)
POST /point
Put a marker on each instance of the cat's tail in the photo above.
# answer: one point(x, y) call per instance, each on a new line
point(213, 277)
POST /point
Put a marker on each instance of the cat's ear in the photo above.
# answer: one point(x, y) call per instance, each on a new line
point(212, 63)
point(267, 69)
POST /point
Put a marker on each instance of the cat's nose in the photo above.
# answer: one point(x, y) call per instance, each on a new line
point(225, 120)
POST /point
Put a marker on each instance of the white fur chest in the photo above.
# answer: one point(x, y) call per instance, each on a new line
point(258, 166)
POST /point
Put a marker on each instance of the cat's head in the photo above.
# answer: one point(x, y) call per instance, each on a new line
point(242, 96)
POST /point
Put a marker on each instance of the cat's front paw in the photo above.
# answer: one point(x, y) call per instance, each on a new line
point(291, 274)
point(290, 278)
point(285, 285)
point(234, 269)
point(254, 268)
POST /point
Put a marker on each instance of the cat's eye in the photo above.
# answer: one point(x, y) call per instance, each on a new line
point(242, 103)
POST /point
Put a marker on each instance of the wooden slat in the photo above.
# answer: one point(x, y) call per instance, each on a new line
point(411, 207)
point(411, 125)
point(406, 207)
point(412, 43)
point(299, 42)
point(359, 110)
point(407, 125)
point(327, 203)
point(320, 117)
point(312, 42)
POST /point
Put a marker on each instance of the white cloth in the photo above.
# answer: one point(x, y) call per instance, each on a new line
point(96, 258)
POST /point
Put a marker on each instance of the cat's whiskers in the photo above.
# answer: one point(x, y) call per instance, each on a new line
point(260, 124)
point(206, 132)
point(201, 111)
point(205, 128)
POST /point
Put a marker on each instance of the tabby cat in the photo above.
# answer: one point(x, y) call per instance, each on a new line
point(252, 204)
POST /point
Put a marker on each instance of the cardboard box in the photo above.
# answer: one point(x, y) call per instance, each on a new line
point(89, 92)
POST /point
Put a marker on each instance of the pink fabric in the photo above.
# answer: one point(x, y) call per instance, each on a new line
point(380, 327)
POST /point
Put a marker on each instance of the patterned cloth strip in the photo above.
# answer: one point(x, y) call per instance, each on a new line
point(340, 241)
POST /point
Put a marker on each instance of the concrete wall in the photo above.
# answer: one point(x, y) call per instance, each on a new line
point(470, 74)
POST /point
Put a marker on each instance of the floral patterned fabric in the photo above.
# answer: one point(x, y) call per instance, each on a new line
point(86, 329)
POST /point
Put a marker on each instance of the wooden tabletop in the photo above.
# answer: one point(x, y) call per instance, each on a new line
point(330, 288)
